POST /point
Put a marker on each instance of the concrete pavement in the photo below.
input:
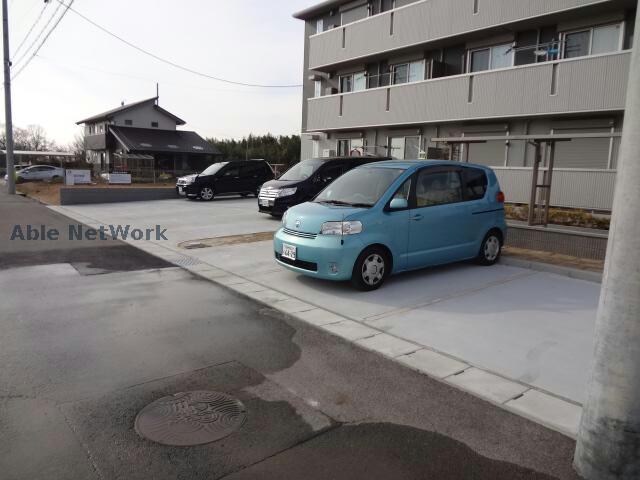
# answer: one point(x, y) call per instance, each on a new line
point(82, 353)
point(530, 332)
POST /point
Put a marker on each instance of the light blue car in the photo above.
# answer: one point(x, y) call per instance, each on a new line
point(389, 217)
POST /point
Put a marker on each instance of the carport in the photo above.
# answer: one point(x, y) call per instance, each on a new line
point(545, 147)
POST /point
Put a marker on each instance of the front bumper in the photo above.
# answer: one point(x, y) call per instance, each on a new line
point(315, 257)
point(190, 190)
point(277, 206)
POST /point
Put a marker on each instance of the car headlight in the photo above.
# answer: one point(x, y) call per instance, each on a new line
point(284, 218)
point(341, 228)
point(287, 192)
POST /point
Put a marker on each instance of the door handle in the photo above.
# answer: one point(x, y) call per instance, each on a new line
point(417, 218)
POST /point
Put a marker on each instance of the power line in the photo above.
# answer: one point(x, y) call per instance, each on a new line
point(35, 52)
point(35, 40)
point(169, 62)
point(31, 29)
point(77, 66)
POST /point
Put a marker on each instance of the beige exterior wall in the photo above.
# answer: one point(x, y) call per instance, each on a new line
point(587, 84)
point(426, 21)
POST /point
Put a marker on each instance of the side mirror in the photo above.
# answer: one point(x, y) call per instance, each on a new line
point(399, 204)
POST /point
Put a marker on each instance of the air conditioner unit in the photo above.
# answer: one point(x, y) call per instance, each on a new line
point(326, 153)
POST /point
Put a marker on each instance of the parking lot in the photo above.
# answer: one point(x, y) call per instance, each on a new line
point(520, 337)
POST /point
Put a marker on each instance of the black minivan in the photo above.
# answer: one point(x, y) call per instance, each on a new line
point(226, 178)
point(304, 181)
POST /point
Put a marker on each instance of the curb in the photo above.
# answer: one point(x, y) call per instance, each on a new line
point(586, 275)
point(553, 412)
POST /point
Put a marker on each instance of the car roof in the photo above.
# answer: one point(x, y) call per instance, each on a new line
point(415, 164)
point(367, 157)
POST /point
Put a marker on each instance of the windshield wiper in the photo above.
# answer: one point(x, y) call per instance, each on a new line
point(346, 204)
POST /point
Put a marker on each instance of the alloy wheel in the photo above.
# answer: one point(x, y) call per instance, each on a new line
point(206, 193)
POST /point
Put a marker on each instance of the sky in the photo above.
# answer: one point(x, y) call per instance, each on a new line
point(81, 71)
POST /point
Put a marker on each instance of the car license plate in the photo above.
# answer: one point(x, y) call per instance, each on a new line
point(181, 190)
point(289, 251)
point(265, 202)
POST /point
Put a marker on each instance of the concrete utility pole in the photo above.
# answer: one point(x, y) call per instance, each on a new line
point(609, 438)
point(11, 182)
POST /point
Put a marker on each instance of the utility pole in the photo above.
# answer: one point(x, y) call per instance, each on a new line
point(609, 438)
point(11, 179)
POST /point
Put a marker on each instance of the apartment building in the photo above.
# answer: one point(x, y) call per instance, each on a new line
point(391, 77)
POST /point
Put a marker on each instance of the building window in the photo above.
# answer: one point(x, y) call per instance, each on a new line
point(128, 122)
point(491, 58)
point(404, 148)
point(101, 128)
point(320, 26)
point(353, 82)
point(346, 83)
point(349, 147)
point(315, 145)
point(317, 88)
point(408, 72)
point(343, 147)
point(356, 148)
point(593, 41)
point(154, 124)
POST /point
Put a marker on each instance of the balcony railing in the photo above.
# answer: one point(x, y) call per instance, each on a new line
point(423, 22)
point(586, 84)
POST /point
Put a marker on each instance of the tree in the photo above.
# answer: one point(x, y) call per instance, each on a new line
point(281, 149)
point(77, 146)
point(32, 138)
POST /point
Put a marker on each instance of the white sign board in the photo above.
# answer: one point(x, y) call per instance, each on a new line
point(120, 178)
point(77, 177)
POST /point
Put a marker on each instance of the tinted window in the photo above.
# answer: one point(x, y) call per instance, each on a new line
point(330, 172)
point(438, 188)
point(251, 169)
point(215, 168)
point(265, 170)
point(475, 184)
point(233, 171)
point(302, 170)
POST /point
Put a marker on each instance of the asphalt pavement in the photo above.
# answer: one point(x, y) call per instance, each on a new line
point(93, 331)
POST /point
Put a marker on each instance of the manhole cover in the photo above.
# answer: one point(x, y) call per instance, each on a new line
point(192, 418)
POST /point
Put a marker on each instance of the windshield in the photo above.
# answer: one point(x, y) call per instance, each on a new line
point(215, 168)
point(361, 187)
point(302, 170)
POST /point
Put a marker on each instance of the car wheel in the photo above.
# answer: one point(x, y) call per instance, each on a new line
point(206, 194)
point(490, 250)
point(371, 269)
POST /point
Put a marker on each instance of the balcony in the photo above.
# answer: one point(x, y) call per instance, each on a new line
point(586, 84)
point(96, 142)
point(424, 22)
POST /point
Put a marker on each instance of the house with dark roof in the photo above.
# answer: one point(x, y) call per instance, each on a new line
point(142, 138)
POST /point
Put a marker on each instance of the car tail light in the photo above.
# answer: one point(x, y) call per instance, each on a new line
point(500, 197)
